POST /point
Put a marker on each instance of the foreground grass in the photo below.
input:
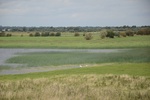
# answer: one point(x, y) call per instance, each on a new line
point(73, 42)
point(77, 87)
point(124, 81)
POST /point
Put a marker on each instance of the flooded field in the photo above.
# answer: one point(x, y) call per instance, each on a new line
point(6, 54)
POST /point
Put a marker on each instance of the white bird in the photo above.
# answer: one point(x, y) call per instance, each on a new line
point(80, 66)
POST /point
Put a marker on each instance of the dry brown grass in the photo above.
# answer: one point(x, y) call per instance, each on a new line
point(77, 87)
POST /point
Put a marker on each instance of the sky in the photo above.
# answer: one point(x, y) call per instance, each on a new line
point(74, 12)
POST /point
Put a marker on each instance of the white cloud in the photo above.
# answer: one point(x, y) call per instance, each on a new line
point(74, 12)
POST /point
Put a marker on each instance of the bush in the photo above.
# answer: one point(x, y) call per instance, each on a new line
point(117, 34)
point(83, 34)
point(45, 34)
point(145, 31)
point(76, 34)
point(42, 34)
point(129, 33)
point(8, 35)
point(103, 34)
point(37, 34)
point(52, 34)
point(110, 34)
point(58, 34)
point(2, 33)
point(88, 36)
point(31, 35)
point(123, 34)
point(140, 32)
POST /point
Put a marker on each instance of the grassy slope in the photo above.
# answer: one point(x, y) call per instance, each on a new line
point(73, 42)
point(136, 69)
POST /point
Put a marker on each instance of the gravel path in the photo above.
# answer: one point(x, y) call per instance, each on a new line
point(8, 53)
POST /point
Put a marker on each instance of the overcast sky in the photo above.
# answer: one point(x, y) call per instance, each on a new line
point(74, 12)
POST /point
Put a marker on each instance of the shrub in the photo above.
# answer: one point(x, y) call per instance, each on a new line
point(76, 34)
point(140, 32)
point(58, 34)
point(103, 34)
point(123, 34)
point(45, 34)
point(110, 34)
point(2, 33)
point(37, 34)
point(42, 34)
point(117, 34)
point(83, 34)
point(129, 33)
point(145, 31)
point(31, 35)
point(52, 34)
point(8, 35)
point(88, 36)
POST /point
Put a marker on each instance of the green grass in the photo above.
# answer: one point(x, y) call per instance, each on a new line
point(73, 42)
point(135, 69)
point(139, 69)
point(116, 76)
point(76, 58)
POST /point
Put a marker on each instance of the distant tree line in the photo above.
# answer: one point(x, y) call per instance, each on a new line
point(51, 29)
point(70, 29)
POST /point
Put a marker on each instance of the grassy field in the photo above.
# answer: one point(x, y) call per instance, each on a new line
point(67, 40)
point(109, 82)
point(121, 75)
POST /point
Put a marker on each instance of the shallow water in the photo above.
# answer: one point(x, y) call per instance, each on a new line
point(6, 53)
